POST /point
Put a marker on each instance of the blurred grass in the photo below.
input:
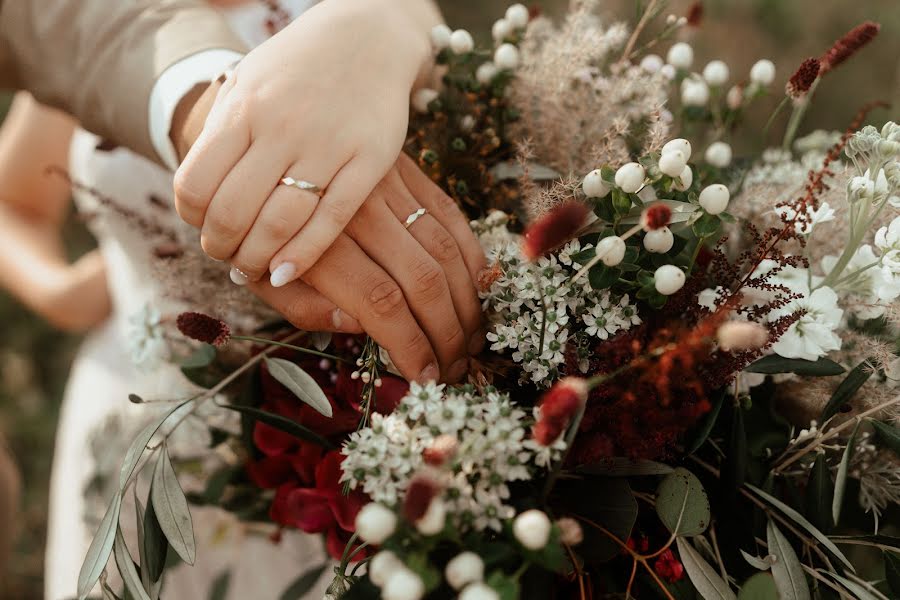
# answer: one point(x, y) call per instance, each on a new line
point(34, 359)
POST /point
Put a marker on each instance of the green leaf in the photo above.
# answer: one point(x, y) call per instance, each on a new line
point(772, 364)
point(709, 421)
point(892, 572)
point(282, 424)
point(709, 584)
point(100, 549)
point(884, 541)
point(888, 434)
point(734, 472)
point(860, 592)
point(706, 226)
point(840, 483)
point(505, 586)
point(801, 520)
point(202, 356)
point(625, 467)
point(621, 202)
point(603, 277)
point(763, 564)
point(681, 497)
point(759, 587)
point(291, 376)
point(847, 389)
point(219, 590)
point(155, 545)
point(820, 495)
point(789, 577)
point(127, 569)
point(136, 450)
point(303, 584)
point(172, 508)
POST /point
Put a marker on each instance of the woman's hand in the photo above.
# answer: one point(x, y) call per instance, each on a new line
point(324, 101)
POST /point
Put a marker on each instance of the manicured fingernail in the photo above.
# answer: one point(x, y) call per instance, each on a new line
point(476, 344)
point(458, 370)
point(343, 322)
point(283, 274)
point(238, 277)
point(428, 374)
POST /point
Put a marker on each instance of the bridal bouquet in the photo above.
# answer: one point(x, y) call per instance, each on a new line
point(691, 388)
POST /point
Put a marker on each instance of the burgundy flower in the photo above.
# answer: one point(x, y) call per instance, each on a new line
point(852, 42)
point(800, 82)
point(558, 406)
point(203, 328)
point(421, 491)
point(554, 229)
point(656, 217)
point(695, 14)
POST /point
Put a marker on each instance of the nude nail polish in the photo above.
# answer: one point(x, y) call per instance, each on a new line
point(476, 343)
point(283, 274)
point(429, 374)
point(458, 370)
point(238, 277)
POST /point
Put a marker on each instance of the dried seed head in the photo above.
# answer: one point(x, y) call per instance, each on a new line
point(800, 82)
point(203, 328)
point(848, 45)
point(554, 229)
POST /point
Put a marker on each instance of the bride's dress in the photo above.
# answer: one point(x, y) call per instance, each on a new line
point(154, 271)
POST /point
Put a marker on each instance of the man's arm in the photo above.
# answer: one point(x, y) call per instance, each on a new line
point(100, 59)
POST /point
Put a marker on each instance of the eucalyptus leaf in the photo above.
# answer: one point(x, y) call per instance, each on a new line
point(282, 424)
point(127, 569)
point(763, 564)
point(888, 435)
point(100, 549)
point(625, 467)
point(847, 389)
point(172, 509)
point(773, 364)
point(820, 495)
point(709, 584)
point(759, 587)
point(787, 570)
point(803, 522)
point(303, 584)
point(301, 383)
point(892, 572)
point(840, 483)
point(682, 504)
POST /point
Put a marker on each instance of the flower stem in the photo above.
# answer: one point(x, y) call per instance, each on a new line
point(250, 338)
point(797, 116)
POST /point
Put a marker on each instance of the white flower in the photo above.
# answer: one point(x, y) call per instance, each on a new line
point(714, 198)
point(146, 339)
point(463, 569)
point(719, 154)
point(813, 336)
point(762, 73)
point(870, 288)
point(716, 72)
point(594, 186)
point(403, 584)
point(680, 56)
point(532, 529)
point(600, 320)
point(375, 523)
point(887, 239)
point(461, 42)
point(668, 279)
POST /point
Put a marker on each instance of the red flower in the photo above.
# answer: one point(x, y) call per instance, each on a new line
point(800, 82)
point(554, 229)
point(558, 406)
point(668, 567)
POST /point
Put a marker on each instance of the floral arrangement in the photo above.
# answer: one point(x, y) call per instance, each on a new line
point(691, 387)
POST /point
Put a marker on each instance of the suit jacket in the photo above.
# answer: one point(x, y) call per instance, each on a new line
point(99, 59)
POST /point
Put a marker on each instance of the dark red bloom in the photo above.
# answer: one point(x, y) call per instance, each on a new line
point(203, 328)
point(695, 14)
point(441, 450)
point(800, 82)
point(554, 229)
point(421, 491)
point(849, 45)
point(668, 567)
point(558, 406)
point(656, 217)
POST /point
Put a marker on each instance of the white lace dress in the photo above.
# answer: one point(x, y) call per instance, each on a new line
point(154, 271)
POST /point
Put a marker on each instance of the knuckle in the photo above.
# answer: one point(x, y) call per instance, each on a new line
point(186, 194)
point(443, 246)
point(385, 298)
point(429, 280)
point(220, 227)
point(278, 227)
point(447, 205)
point(337, 212)
point(417, 347)
point(454, 337)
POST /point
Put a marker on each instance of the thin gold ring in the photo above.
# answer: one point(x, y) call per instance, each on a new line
point(414, 217)
point(302, 185)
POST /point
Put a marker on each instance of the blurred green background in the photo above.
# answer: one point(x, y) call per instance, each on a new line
point(34, 359)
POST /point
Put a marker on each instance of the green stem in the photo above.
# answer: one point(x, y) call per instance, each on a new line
point(250, 338)
point(771, 121)
point(797, 117)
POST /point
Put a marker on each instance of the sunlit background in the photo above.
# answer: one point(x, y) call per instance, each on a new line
point(34, 359)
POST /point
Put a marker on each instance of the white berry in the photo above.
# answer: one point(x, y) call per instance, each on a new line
point(501, 30)
point(464, 569)
point(611, 250)
point(375, 523)
point(735, 97)
point(669, 72)
point(403, 584)
point(668, 279)
point(659, 241)
point(684, 181)
point(594, 186)
point(461, 42)
point(714, 199)
point(422, 98)
point(719, 154)
point(517, 15)
point(506, 57)
point(694, 92)
point(485, 73)
point(532, 527)
point(382, 566)
point(652, 63)
point(479, 591)
point(672, 163)
point(440, 36)
point(763, 72)
point(630, 177)
point(716, 72)
point(680, 56)
point(680, 144)
point(432, 522)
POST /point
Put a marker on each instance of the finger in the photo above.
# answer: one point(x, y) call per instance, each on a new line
point(351, 280)
point(306, 308)
point(346, 192)
point(285, 212)
point(224, 140)
point(438, 242)
point(420, 276)
point(444, 208)
point(238, 201)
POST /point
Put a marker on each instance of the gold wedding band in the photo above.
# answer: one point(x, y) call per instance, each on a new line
point(414, 217)
point(302, 185)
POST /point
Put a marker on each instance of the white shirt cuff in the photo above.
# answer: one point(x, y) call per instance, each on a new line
point(171, 87)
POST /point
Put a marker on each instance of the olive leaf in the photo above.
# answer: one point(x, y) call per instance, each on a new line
point(625, 467)
point(127, 569)
point(171, 508)
point(773, 364)
point(763, 564)
point(888, 435)
point(282, 424)
point(291, 376)
point(840, 482)
point(100, 549)
point(303, 584)
point(847, 389)
point(681, 503)
point(136, 450)
point(860, 592)
point(789, 577)
point(709, 584)
point(820, 495)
